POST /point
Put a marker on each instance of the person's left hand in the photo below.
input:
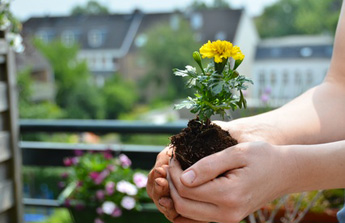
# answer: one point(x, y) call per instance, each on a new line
point(229, 185)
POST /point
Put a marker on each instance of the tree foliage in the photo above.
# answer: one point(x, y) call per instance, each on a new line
point(75, 92)
point(91, 8)
point(119, 95)
point(289, 17)
point(197, 4)
point(165, 49)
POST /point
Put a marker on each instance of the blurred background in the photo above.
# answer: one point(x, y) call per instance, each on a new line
point(113, 60)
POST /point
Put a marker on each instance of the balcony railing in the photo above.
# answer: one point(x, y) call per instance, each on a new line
point(52, 154)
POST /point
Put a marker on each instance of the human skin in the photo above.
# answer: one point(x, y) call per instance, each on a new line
point(313, 118)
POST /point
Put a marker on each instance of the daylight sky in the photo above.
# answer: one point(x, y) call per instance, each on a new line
point(24, 9)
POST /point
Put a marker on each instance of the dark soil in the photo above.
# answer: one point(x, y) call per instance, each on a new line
point(198, 141)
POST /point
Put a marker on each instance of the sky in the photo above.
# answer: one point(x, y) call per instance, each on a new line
point(24, 9)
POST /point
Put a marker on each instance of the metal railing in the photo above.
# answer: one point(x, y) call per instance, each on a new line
point(52, 154)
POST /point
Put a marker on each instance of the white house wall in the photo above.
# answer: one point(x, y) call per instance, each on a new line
point(292, 77)
point(247, 39)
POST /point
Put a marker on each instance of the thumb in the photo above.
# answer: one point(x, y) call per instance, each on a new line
point(212, 166)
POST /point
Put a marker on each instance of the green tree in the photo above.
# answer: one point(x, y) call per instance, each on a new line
point(91, 8)
point(289, 17)
point(119, 95)
point(75, 94)
point(199, 5)
point(165, 49)
point(34, 110)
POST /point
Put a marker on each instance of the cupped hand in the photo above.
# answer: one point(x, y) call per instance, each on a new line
point(158, 188)
point(231, 184)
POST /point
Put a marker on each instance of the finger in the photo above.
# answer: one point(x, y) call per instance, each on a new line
point(166, 206)
point(199, 211)
point(210, 192)
point(212, 166)
point(163, 157)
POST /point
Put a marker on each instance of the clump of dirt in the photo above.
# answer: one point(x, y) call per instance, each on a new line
point(199, 140)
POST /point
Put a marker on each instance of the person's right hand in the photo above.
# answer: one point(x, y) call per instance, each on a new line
point(158, 188)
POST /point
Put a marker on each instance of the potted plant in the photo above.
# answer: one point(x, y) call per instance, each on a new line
point(103, 188)
point(218, 88)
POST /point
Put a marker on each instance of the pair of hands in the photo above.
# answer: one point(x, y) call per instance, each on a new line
point(224, 187)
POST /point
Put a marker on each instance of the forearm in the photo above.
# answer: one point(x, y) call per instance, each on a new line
point(317, 116)
point(321, 168)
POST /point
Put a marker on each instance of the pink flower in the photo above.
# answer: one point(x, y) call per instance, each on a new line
point(108, 154)
point(67, 161)
point(93, 175)
point(140, 180)
point(78, 152)
point(64, 175)
point(98, 220)
point(265, 98)
point(61, 184)
point(75, 160)
point(67, 203)
point(125, 161)
point(117, 212)
point(126, 188)
point(99, 211)
point(128, 202)
point(79, 183)
point(99, 177)
point(110, 188)
point(100, 195)
point(111, 167)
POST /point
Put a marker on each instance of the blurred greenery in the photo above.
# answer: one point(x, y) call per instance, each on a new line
point(60, 215)
point(90, 8)
point(167, 48)
point(291, 17)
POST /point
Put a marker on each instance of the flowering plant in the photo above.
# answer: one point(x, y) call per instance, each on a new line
point(9, 23)
point(105, 183)
point(215, 84)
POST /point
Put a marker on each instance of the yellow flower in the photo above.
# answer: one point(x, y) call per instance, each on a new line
point(218, 50)
point(236, 53)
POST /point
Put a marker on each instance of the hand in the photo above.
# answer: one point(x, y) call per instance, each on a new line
point(157, 185)
point(229, 185)
point(158, 188)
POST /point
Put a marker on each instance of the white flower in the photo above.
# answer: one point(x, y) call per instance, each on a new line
point(128, 202)
point(5, 23)
point(140, 180)
point(108, 207)
point(16, 41)
point(126, 188)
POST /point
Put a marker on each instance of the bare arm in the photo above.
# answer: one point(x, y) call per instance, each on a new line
point(317, 116)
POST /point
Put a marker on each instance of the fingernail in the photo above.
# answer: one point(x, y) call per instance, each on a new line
point(158, 172)
point(188, 176)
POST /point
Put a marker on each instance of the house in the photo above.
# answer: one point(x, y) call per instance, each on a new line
point(287, 66)
point(41, 71)
point(110, 43)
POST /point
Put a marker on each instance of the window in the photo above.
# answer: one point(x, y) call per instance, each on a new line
point(220, 35)
point(273, 78)
point(69, 37)
point(298, 78)
point(45, 35)
point(262, 79)
point(310, 77)
point(96, 38)
point(196, 21)
point(306, 52)
point(175, 22)
point(140, 40)
point(285, 77)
